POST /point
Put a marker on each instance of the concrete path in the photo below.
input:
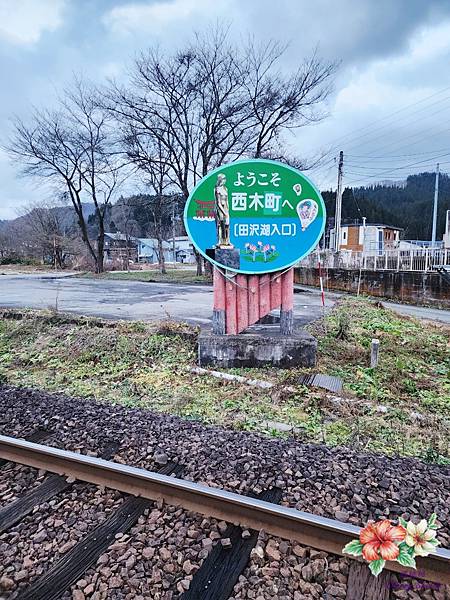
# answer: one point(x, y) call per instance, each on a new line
point(420, 312)
point(127, 299)
point(152, 301)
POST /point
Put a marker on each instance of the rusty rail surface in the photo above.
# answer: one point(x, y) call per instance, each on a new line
point(311, 530)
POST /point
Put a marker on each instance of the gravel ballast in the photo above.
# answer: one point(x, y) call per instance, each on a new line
point(334, 482)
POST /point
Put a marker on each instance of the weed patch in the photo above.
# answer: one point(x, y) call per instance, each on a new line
point(401, 407)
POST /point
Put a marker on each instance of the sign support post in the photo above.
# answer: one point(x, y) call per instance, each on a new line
point(243, 300)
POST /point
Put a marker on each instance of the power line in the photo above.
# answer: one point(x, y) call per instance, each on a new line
point(386, 156)
point(389, 171)
point(414, 135)
point(342, 139)
point(397, 121)
point(325, 176)
point(383, 168)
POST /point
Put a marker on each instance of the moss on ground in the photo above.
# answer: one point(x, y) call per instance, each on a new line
point(402, 407)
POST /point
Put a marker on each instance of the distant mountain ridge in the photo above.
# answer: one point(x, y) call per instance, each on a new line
point(409, 206)
point(66, 216)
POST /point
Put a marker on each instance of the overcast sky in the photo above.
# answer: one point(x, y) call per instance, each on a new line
point(389, 112)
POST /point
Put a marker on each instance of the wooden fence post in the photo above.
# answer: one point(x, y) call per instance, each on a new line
point(231, 306)
point(253, 299)
point(264, 295)
point(275, 292)
point(242, 302)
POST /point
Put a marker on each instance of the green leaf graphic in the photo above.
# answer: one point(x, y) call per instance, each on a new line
point(376, 566)
point(354, 548)
point(432, 521)
point(434, 542)
point(406, 560)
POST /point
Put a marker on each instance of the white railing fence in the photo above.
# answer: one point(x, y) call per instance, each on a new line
point(421, 259)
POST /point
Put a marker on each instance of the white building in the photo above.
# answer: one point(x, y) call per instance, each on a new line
point(184, 250)
point(446, 237)
point(148, 250)
point(370, 238)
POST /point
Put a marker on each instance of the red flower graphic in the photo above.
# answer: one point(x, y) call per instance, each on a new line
point(379, 540)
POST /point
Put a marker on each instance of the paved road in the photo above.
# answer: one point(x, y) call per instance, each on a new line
point(420, 312)
point(152, 301)
point(127, 299)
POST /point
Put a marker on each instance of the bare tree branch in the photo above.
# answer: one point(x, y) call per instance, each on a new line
point(74, 146)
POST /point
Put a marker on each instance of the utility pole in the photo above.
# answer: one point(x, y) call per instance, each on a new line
point(173, 234)
point(436, 193)
point(361, 264)
point(338, 213)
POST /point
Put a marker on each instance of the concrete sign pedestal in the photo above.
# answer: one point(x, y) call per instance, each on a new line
point(266, 347)
point(239, 303)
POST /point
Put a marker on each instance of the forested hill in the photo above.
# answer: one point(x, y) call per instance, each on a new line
point(409, 206)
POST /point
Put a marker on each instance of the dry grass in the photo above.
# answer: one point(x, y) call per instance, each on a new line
point(148, 365)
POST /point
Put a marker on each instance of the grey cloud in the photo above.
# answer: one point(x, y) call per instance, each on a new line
point(357, 32)
point(350, 30)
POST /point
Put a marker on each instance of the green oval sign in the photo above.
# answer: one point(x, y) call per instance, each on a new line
point(255, 216)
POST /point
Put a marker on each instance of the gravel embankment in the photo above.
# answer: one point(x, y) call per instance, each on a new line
point(29, 548)
point(15, 480)
point(167, 545)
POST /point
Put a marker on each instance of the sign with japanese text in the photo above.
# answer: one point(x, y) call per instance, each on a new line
point(255, 216)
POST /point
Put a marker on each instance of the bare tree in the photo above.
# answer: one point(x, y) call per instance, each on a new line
point(47, 230)
point(211, 103)
point(156, 168)
point(153, 158)
point(74, 148)
point(189, 103)
point(10, 243)
point(126, 223)
point(280, 102)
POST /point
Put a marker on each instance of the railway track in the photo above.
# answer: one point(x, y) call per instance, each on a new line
point(222, 567)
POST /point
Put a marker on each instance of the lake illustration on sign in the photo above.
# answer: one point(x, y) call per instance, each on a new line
point(255, 216)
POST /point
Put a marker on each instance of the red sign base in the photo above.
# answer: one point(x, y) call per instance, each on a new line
point(242, 300)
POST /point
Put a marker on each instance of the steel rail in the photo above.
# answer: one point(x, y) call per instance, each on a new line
point(311, 530)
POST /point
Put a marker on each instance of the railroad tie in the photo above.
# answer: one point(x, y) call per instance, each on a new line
point(37, 436)
point(222, 567)
point(53, 484)
point(71, 567)
point(362, 584)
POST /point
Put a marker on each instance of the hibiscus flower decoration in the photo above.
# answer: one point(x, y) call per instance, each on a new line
point(382, 541)
point(378, 540)
point(420, 537)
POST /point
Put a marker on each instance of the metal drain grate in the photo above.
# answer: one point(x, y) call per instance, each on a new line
point(327, 382)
